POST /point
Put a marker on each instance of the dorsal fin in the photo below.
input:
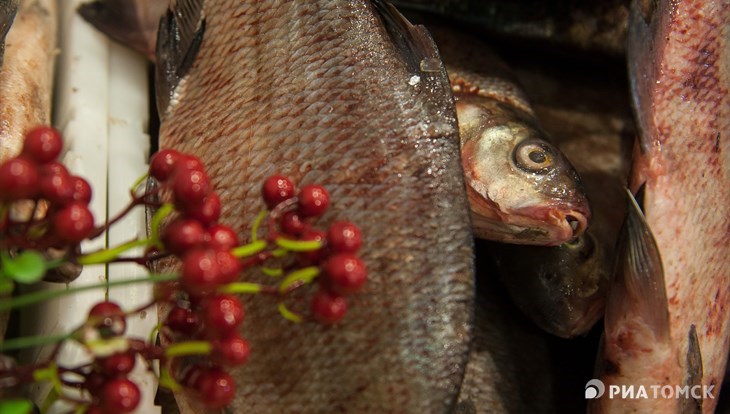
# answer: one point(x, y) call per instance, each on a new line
point(8, 8)
point(179, 38)
point(421, 57)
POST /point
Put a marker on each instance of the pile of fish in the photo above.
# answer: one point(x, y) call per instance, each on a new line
point(427, 139)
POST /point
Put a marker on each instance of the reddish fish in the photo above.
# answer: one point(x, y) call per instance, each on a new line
point(680, 72)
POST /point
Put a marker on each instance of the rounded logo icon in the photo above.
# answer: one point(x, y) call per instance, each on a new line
point(594, 389)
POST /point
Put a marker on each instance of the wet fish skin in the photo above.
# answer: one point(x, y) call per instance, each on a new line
point(133, 23)
point(680, 78)
point(319, 91)
point(521, 188)
point(26, 77)
point(8, 8)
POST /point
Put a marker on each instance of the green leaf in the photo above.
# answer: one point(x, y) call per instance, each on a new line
point(28, 267)
point(16, 406)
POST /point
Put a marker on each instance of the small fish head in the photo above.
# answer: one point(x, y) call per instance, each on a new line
point(565, 294)
point(521, 188)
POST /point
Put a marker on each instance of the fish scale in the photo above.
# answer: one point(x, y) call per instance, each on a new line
point(386, 150)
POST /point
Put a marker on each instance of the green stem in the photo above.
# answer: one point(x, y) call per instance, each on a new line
point(31, 341)
point(188, 348)
point(298, 246)
point(256, 224)
point(107, 255)
point(137, 183)
point(241, 287)
point(304, 276)
point(44, 295)
point(250, 249)
point(164, 211)
point(287, 314)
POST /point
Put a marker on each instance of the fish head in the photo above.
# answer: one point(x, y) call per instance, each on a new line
point(521, 188)
point(565, 295)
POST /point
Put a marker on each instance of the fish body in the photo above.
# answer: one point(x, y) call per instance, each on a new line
point(562, 288)
point(680, 73)
point(26, 77)
point(348, 95)
point(521, 188)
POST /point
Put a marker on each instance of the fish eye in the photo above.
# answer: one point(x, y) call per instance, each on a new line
point(534, 157)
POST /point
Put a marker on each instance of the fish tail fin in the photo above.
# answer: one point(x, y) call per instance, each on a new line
point(694, 373)
point(638, 287)
point(179, 37)
point(8, 8)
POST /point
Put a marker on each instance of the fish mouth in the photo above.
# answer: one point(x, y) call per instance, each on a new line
point(532, 225)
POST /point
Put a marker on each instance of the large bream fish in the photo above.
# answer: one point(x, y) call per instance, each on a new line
point(349, 95)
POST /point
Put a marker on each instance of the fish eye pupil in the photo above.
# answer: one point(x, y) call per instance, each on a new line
point(537, 156)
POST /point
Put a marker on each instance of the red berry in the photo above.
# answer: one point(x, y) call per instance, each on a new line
point(118, 364)
point(182, 320)
point(188, 162)
point(94, 409)
point(345, 273)
point(215, 387)
point(222, 314)
point(200, 272)
point(120, 395)
point(19, 179)
point(221, 237)
point(163, 163)
point(228, 265)
point(53, 168)
point(182, 235)
point(313, 201)
point(42, 144)
point(57, 188)
point(73, 223)
point(315, 256)
point(232, 350)
point(190, 187)
point(82, 190)
point(344, 237)
point(292, 224)
point(277, 189)
point(328, 307)
point(205, 269)
point(207, 212)
point(108, 317)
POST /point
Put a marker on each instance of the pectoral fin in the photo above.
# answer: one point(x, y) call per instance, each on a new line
point(638, 288)
point(179, 38)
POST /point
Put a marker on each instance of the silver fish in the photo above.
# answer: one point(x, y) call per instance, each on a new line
point(521, 188)
point(349, 95)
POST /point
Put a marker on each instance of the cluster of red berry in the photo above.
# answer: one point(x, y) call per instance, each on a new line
point(36, 175)
point(106, 379)
point(344, 272)
point(205, 314)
